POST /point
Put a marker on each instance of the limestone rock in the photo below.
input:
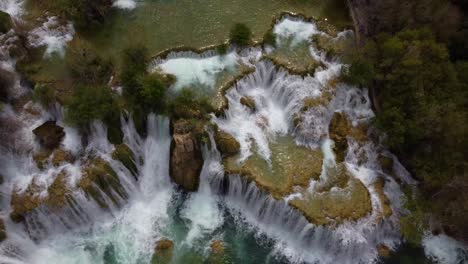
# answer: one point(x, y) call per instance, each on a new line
point(226, 143)
point(186, 158)
point(339, 129)
point(60, 156)
point(125, 155)
point(383, 250)
point(100, 179)
point(49, 134)
point(248, 102)
point(217, 247)
point(163, 251)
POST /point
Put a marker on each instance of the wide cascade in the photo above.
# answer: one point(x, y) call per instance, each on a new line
point(291, 168)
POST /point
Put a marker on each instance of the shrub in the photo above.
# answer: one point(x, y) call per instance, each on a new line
point(91, 103)
point(44, 94)
point(240, 34)
point(187, 104)
point(152, 92)
point(86, 66)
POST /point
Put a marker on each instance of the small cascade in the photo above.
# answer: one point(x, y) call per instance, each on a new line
point(53, 35)
point(14, 8)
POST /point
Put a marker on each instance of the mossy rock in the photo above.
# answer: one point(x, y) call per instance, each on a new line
point(384, 201)
point(335, 206)
point(291, 165)
point(3, 233)
point(42, 158)
point(386, 163)
point(26, 201)
point(5, 22)
point(226, 143)
point(163, 251)
point(248, 102)
point(59, 194)
point(126, 156)
point(49, 134)
point(100, 179)
point(217, 252)
point(60, 156)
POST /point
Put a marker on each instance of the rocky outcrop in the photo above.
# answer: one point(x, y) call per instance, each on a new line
point(100, 179)
point(226, 143)
point(248, 102)
point(186, 157)
point(5, 22)
point(125, 155)
point(163, 251)
point(339, 129)
point(49, 134)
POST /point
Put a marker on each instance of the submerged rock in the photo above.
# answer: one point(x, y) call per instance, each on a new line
point(217, 247)
point(49, 134)
point(248, 102)
point(186, 157)
point(339, 129)
point(226, 143)
point(125, 155)
point(290, 166)
point(100, 179)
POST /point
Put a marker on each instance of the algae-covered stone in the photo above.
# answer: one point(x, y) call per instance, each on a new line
point(163, 251)
point(290, 166)
point(3, 233)
point(60, 156)
point(248, 102)
point(386, 163)
point(58, 192)
point(226, 143)
point(100, 179)
point(335, 206)
point(23, 202)
point(5, 22)
point(126, 156)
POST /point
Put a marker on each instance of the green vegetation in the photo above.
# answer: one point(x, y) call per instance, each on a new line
point(187, 104)
point(83, 13)
point(91, 103)
point(44, 94)
point(414, 65)
point(269, 38)
point(240, 34)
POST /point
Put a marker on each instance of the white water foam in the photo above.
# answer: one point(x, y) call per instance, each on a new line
point(445, 250)
point(53, 35)
point(15, 8)
point(125, 4)
point(296, 30)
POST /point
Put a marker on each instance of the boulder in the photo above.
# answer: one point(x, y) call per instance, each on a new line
point(23, 202)
point(248, 102)
point(386, 163)
point(125, 155)
point(383, 250)
point(186, 157)
point(5, 22)
point(3, 234)
point(226, 143)
point(49, 134)
point(163, 251)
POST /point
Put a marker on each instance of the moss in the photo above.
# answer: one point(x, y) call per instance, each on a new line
point(248, 102)
point(5, 22)
point(335, 206)
point(291, 165)
point(41, 158)
point(163, 251)
point(339, 129)
point(386, 163)
point(58, 192)
point(98, 179)
point(226, 143)
point(126, 156)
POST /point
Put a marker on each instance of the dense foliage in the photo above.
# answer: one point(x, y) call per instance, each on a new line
point(5, 22)
point(415, 64)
